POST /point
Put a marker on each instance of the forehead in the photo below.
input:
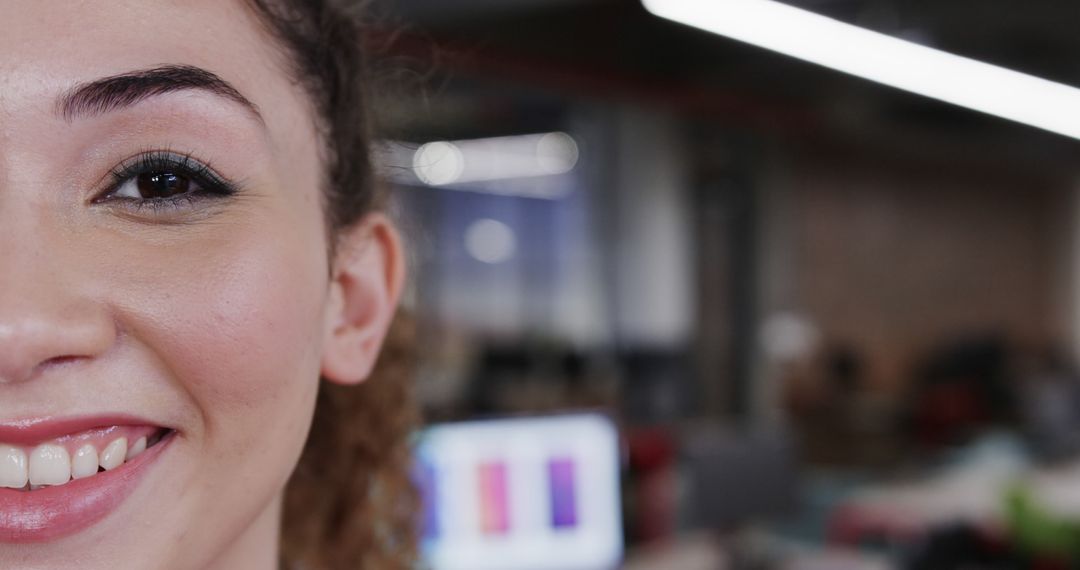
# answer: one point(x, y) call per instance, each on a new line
point(48, 46)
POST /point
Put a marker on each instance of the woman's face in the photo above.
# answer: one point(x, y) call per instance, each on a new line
point(163, 276)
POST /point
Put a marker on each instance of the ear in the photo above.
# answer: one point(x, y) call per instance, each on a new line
point(365, 286)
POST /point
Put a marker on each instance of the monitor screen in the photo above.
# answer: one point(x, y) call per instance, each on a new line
point(521, 494)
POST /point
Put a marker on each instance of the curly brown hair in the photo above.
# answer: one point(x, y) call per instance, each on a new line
point(350, 503)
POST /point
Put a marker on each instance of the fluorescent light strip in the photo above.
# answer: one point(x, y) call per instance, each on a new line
point(444, 163)
point(919, 69)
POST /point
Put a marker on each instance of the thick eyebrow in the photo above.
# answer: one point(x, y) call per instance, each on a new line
point(117, 92)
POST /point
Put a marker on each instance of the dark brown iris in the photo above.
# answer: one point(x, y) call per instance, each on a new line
point(162, 185)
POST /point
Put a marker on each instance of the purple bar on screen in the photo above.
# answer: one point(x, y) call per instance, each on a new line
point(427, 481)
point(563, 500)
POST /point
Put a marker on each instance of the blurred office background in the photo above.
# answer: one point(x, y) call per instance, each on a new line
point(836, 323)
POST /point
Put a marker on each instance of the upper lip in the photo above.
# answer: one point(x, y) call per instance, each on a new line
point(32, 431)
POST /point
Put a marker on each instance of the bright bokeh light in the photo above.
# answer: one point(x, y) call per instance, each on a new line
point(438, 163)
point(884, 59)
point(786, 337)
point(556, 153)
point(490, 241)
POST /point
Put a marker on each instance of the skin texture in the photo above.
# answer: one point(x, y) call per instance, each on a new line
point(215, 319)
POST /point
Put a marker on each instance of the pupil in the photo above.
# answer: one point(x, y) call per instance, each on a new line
point(162, 185)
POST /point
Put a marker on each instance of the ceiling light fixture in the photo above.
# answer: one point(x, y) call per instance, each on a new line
point(445, 163)
point(884, 59)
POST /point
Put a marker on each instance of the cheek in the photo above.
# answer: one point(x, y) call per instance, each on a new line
point(237, 322)
point(255, 335)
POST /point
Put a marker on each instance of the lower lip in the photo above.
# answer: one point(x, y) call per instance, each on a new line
point(55, 512)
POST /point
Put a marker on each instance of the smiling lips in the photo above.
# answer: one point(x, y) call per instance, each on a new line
point(59, 477)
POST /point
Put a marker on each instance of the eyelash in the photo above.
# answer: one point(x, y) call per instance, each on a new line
point(211, 185)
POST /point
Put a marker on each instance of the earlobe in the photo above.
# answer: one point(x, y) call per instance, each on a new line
point(366, 283)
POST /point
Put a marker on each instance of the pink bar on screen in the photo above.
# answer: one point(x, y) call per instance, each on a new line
point(494, 506)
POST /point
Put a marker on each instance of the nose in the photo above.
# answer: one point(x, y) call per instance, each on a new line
point(47, 316)
point(32, 341)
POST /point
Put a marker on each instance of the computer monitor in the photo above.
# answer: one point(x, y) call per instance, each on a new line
point(521, 494)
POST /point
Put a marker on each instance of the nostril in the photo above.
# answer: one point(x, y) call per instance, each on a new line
point(52, 363)
point(56, 362)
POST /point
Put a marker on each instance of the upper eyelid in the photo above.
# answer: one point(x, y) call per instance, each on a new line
point(162, 159)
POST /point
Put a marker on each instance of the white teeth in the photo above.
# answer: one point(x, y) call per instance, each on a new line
point(50, 465)
point(13, 473)
point(137, 448)
point(114, 454)
point(85, 462)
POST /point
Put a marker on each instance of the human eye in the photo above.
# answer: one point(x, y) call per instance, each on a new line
point(161, 182)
